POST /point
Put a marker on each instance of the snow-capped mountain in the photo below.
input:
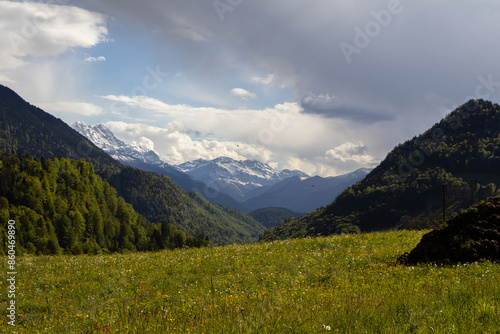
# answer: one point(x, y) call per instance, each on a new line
point(244, 185)
point(147, 160)
point(239, 179)
point(102, 137)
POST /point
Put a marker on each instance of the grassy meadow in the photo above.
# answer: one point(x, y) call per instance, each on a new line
point(345, 284)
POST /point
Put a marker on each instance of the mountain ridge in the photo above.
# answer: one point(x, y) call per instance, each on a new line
point(462, 151)
point(27, 129)
point(251, 184)
point(149, 161)
point(305, 194)
point(102, 137)
point(237, 178)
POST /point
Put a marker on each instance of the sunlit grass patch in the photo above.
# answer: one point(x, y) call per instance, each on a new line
point(350, 283)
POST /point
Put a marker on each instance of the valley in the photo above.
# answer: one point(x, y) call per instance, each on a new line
point(244, 185)
point(361, 201)
point(166, 259)
point(230, 166)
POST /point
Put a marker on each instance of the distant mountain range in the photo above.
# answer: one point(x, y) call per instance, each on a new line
point(245, 185)
point(305, 194)
point(145, 159)
point(239, 179)
point(461, 152)
point(258, 185)
point(26, 129)
point(223, 175)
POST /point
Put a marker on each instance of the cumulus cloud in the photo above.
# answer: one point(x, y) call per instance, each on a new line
point(282, 135)
point(174, 145)
point(312, 166)
point(38, 44)
point(73, 107)
point(282, 128)
point(243, 94)
point(140, 101)
point(144, 142)
point(356, 152)
point(123, 103)
point(39, 29)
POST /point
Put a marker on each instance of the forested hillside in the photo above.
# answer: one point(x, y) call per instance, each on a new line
point(62, 206)
point(26, 129)
point(270, 217)
point(473, 235)
point(405, 190)
point(158, 198)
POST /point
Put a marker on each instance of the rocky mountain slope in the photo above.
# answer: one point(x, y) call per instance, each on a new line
point(239, 179)
point(147, 160)
point(101, 136)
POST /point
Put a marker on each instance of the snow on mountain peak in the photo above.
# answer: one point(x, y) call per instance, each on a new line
point(102, 137)
point(236, 178)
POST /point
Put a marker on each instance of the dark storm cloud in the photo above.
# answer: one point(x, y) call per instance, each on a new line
point(402, 56)
point(332, 107)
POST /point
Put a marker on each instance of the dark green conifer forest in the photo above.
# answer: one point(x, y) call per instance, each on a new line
point(62, 206)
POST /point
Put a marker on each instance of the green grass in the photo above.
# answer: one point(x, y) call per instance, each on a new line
point(349, 283)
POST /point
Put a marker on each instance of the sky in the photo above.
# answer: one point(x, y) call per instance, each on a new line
point(325, 87)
